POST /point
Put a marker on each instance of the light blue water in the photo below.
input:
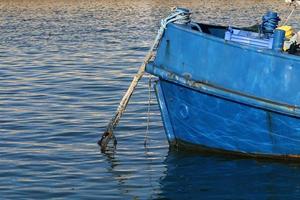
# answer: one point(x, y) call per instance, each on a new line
point(65, 64)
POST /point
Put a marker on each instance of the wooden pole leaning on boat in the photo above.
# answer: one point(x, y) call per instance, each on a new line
point(108, 134)
point(178, 14)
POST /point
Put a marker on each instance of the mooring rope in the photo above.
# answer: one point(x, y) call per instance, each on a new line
point(149, 109)
point(289, 16)
point(179, 15)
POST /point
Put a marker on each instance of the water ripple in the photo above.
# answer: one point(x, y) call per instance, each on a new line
point(64, 66)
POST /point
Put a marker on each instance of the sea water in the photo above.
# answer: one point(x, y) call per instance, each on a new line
point(64, 66)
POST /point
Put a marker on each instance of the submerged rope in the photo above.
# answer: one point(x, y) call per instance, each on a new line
point(179, 15)
point(149, 109)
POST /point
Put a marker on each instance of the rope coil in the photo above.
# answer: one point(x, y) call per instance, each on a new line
point(179, 16)
point(269, 22)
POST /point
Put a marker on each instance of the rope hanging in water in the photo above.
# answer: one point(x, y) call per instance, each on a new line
point(148, 110)
point(179, 15)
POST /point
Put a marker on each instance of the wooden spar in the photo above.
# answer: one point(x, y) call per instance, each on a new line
point(108, 134)
point(179, 14)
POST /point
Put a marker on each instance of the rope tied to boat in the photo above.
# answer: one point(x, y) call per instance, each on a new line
point(294, 4)
point(179, 16)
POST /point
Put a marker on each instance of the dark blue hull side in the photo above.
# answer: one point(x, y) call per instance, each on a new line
point(210, 121)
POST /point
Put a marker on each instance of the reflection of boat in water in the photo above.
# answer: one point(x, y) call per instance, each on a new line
point(194, 176)
point(233, 90)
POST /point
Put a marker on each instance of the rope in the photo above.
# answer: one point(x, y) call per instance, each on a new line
point(149, 108)
point(179, 15)
point(289, 16)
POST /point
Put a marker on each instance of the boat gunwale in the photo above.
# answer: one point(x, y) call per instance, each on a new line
point(269, 52)
point(220, 92)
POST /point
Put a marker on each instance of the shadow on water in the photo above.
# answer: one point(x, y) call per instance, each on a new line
point(195, 176)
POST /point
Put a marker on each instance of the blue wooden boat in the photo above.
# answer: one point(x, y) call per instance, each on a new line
point(229, 90)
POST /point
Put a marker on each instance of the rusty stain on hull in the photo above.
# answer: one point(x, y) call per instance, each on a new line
point(182, 145)
point(270, 125)
point(198, 84)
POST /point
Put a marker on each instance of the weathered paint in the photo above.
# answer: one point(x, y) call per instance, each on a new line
point(224, 96)
point(203, 119)
point(265, 74)
point(165, 116)
point(223, 92)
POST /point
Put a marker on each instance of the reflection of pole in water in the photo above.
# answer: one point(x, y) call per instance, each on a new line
point(110, 158)
point(137, 173)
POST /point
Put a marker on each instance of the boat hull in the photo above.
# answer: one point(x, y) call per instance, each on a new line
point(223, 125)
point(225, 96)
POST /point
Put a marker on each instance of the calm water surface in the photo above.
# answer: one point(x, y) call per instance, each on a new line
point(64, 65)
